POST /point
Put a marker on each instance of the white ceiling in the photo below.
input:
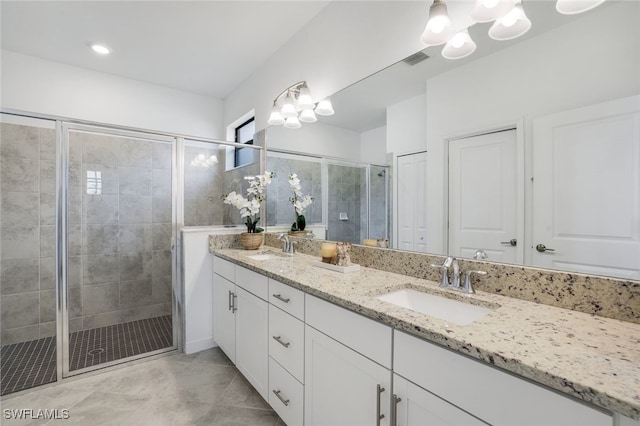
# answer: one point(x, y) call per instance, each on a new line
point(205, 47)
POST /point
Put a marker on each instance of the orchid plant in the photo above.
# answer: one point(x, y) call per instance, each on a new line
point(300, 203)
point(250, 206)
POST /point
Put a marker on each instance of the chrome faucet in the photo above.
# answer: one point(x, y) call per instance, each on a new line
point(452, 263)
point(287, 246)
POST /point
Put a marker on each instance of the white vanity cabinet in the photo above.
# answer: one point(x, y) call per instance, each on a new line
point(415, 406)
point(343, 385)
point(241, 317)
point(496, 397)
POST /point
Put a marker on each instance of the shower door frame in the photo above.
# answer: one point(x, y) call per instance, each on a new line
point(63, 127)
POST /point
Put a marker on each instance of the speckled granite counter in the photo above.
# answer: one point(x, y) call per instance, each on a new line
point(592, 358)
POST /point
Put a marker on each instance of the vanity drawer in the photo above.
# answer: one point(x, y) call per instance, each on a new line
point(289, 299)
point(224, 268)
point(366, 336)
point(286, 341)
point(485, 391)
point(286, 395)
point(253, 282)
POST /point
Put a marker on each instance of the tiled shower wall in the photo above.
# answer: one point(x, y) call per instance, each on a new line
point(347, 194)
point(27, 232)
point(119, 231)
point(378, 189)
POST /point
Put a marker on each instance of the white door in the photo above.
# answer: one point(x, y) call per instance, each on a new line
point(586, 191)
point(412, 218)
point(224, 319)
point(484, 211)
point(341, 386)
point(252, 344)
point(418, 407)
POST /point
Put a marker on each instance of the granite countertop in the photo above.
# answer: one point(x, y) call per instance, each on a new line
point(592, 358)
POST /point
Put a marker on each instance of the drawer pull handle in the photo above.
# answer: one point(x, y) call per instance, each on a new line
point(279, 297)
point(230, 300)
point(234, 303)
point(279, 340)
point(284, 401)
point(379, 416)
point(394, 410)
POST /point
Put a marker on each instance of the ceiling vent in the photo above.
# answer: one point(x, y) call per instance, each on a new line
point(416, 58)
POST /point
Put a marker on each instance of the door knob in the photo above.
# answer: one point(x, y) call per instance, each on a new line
point(512, 242)
point(542, 248)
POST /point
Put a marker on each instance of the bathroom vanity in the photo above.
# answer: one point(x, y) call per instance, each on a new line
point(322, 348)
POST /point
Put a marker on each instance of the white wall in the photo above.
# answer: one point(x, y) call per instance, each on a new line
point(373, 145)
point(406, 126)
point(40, 86)
point(315, 138)
point(556, 71)
point(346, 42)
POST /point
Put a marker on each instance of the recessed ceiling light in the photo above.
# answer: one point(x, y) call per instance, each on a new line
point(100, 48)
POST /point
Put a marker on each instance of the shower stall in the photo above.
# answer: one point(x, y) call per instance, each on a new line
point(351, 199)
point(88, 272)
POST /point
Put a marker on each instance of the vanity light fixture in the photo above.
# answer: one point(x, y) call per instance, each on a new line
point(439, 28)
point(572, 7)
point(295, 105)
point(510, 21)
point(100, 48)
point(459, 46)
point(514, 24)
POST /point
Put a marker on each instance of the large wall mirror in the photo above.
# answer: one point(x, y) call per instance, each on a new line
point(528, 150)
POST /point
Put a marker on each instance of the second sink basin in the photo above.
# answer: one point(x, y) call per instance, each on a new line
point(451, 310)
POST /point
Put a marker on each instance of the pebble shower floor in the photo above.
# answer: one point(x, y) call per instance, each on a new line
point(28, 364)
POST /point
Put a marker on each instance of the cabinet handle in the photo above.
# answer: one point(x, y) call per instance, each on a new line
point(279, 340)
point(234, 305)
point(379, 416)
point(284, 401)
point(394, 410)
point(230, 300)
point(279, 297)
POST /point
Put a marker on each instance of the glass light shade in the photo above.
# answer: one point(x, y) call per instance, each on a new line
point(324, 107)
point(304, 98)
point(308, 116)
point(572, 7)
point(292, 123)
point(490, 10)
point(439, 28)
point(275, 118)
point(288, 108)
point(512, 25)
point(459, 46)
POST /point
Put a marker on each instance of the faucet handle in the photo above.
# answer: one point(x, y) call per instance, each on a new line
point(444, 279)
point(467, 287)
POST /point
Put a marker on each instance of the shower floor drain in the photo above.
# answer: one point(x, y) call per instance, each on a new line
point(93, 352)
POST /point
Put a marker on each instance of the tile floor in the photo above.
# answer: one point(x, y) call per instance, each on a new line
point(199, 389)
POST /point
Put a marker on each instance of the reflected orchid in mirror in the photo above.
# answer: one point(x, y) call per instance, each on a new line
point(250, 206)
point(300, 203)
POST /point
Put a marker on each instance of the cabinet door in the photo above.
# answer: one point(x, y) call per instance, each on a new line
point(252, 345)
point(341, 386)
point(418, 407)
point(224, 319)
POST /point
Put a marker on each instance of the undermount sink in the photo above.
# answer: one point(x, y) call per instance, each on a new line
point(451, 310)
point(263, 256)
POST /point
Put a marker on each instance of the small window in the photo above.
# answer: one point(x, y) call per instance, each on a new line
point(244, 135)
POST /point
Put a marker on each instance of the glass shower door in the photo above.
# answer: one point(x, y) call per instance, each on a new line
point(348, 203)
point(27, 253)
point(120, 233)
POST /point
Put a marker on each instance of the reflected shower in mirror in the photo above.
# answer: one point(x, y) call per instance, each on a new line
point(541, 87)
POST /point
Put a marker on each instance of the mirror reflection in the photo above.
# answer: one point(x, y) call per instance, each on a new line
point(528, 149)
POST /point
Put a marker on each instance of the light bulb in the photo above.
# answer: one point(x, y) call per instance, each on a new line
point(439, 28)
point(101, 49)
point(460, 46)
point(512, 25)
point(288, 109)
point(490, 10)
point(275, 119)
point(510, 18)
point(304, 98)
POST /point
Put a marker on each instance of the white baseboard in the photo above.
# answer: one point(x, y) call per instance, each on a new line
point(199, 345)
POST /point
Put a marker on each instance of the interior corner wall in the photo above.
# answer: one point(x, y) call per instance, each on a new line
point(41, 86)
point(406, 126)
point(563, 69)
point(373, 146)
point(344, 43)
